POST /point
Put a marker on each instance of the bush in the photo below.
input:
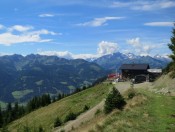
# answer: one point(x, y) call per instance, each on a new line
point(70, 116)
point(98, 112)
point(57, 122)
point(114, 100)
point(131, 93)
point(85, 108)
point(40, 129)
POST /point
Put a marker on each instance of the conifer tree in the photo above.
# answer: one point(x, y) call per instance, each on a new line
point(171, 66)
point(114, 100)
point(1, 118)
point(15, 112)
point(9, 117)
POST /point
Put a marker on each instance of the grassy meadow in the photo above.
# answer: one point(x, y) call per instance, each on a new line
point(46, 116)
point(152, 109)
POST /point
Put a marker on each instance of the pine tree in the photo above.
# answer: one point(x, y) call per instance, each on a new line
point(1, 118)
point(9, 107)
point(9, 117)
point(53, 99)
point(114, 100)
point(15, 112)
point(21, 110)
point(59, 96)
point(172, 56)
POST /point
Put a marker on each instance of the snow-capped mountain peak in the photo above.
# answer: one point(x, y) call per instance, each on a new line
point(130, 55)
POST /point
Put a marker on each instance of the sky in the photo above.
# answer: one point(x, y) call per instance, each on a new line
point(86, 28)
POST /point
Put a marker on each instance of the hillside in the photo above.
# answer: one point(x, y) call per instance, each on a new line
point(149, 110)
point(165, 84)
point(24, 77)
point(46, 116)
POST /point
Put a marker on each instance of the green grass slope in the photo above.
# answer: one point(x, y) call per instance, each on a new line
point(165, 82)
point(147, 111)
point(45, 116)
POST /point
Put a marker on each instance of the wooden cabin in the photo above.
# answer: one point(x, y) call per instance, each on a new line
point(130, 71)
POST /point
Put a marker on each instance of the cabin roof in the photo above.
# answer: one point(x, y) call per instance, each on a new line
point(155, 70)
point(134, 67)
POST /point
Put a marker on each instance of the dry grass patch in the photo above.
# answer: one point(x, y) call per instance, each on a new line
point(135, 101)
point(165, 81)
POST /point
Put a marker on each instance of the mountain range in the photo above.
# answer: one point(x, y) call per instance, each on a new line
point(115, 60)
point(23, 77)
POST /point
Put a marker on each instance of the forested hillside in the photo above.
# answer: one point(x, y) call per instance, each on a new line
point(21, 78)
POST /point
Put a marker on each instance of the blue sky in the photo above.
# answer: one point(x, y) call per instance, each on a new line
point(85, 28)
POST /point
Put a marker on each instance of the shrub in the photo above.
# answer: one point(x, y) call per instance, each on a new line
point(98, 112)
point(40, 129)
point(131, 93)
point(85, 108)
point(57, 122)
point(70, 116)
point(114, 100)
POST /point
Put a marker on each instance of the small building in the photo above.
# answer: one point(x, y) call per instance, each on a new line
point(114, 76)
point(154, 73)
point(130, 71)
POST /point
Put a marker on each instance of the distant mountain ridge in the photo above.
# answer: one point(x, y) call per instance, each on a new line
point(115, 60)
point(24, 77)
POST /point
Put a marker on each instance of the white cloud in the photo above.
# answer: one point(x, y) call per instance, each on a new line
point(104, 48)
point(25, 34)
point(170, 24)
point(3, 54)
point(85, 56)
point(167, 4)
point(146, 5)
point(99, 21)
point(46, 15)
point(62, 54)
point(67, 54)
point(9, 38)
point(119, 4)
point(140, 48)
point(44, 31)
point(135, 42)
point(20, 28)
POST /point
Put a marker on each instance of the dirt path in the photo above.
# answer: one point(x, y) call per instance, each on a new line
point(122, 87)
point(82, 118)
